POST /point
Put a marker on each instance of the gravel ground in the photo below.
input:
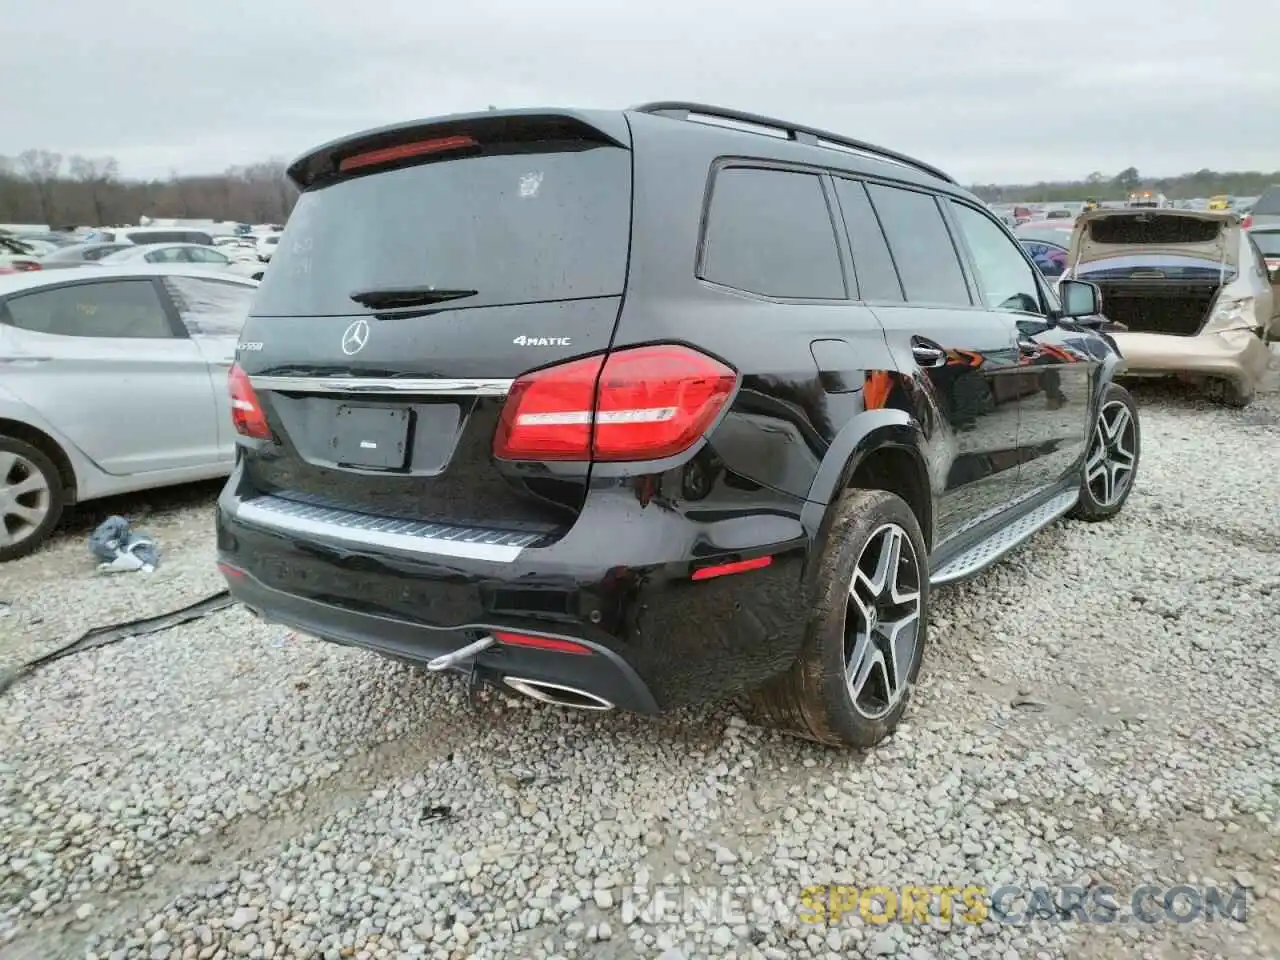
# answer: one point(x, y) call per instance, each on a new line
point(1099, 709)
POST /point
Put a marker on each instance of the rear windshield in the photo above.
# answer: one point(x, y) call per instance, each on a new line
point(516, 228)
point(171, 236)
point(1268, 242)
point(1163, 230)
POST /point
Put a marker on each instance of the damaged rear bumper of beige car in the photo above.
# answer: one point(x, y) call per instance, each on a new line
point(1236, 354)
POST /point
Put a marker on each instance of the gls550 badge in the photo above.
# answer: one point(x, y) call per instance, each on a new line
point(523, 341)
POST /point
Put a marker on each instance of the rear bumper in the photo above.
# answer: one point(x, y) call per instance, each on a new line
point(1236, 355)
point(618, 582)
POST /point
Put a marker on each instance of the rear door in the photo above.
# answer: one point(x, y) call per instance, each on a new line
point(105, 363)
point(420, 272)
point(213, 312)
point(966, 354)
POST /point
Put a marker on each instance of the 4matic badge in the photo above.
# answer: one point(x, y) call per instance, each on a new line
point(523, 341)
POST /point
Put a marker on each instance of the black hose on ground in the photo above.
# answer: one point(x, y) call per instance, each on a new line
point(114, 633)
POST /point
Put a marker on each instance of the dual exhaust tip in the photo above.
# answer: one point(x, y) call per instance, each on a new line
point(540, 690)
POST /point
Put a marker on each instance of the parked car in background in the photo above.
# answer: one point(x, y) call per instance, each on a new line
point(77, 255)
point(1266, 209)
point(630, 409)
point(17, 256)
point(1220, 202)
point(1192, 291)
point(113, 380)
point(1049, 257)
point(149, 235)
point(198, 255)
point(1059, 213)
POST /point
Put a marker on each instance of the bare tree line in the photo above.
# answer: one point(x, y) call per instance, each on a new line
point(40, 186)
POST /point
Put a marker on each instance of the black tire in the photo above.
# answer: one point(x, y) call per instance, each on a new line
point(40, 461)
point(1235, 394)
point(1093, 506)
point(813, 698)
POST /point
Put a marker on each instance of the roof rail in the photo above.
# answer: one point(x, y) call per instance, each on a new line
point(682, 110)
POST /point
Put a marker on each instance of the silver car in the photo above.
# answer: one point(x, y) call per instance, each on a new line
point(112, 379)
point(196, 254)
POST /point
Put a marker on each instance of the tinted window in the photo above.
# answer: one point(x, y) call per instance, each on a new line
point(117, 308)
point(770, 232)
point(210, 307)
point(97, 253)
point(922, 248)
point(1005, 278)
point(515, 227)
point(877, 278)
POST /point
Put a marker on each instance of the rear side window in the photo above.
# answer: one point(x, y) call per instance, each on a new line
point(872, 264)
point(518, 227)
point(129, 309)
point(1268, 242)
point(770, 232)
point(921, 244)
point(209, 307)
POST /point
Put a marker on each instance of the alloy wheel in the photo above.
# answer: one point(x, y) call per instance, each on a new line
point(25, 498)
point(1109, 468)
point(882, 622)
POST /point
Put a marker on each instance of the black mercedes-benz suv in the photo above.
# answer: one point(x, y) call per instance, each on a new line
point(641, 408)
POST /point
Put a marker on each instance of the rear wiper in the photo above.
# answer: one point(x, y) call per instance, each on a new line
point(407, 296)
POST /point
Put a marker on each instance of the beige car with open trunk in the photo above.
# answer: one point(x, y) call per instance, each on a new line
point(1190, 295)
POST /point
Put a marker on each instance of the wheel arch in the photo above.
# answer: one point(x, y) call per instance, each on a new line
point(49, 447)
point(880, 450)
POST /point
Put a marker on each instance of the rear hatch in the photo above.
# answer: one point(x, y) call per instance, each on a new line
point(423, 268)
point(1160, 271)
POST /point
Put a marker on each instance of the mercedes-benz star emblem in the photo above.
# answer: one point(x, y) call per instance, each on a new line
point(355, 337)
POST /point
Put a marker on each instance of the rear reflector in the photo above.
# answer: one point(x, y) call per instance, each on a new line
point(642, 403)
point(724, 569)
point(540, 643)
point(404, 151)
point(246, 412)
point(230, 572)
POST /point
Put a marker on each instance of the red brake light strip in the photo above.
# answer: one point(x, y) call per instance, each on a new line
point(405, 150)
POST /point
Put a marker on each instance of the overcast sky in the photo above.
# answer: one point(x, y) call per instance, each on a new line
point(991, 90)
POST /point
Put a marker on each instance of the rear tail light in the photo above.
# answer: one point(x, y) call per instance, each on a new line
point(642, 403)
point(246, 412)
point(24, 266)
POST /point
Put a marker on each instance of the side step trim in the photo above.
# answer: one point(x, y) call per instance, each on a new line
point(984, 554)
point(399, 386)
point(360, 529)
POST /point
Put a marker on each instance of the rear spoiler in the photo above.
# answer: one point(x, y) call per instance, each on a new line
point(504, 126)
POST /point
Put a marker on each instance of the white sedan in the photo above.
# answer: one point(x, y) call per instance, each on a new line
point(112, 379)
point(191, 254)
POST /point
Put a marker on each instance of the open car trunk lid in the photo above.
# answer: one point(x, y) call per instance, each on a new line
point(1160, 271)
point(423, 268)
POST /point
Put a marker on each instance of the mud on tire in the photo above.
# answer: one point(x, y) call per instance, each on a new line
point(813, 699)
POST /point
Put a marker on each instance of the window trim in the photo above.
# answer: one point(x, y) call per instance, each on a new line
point(962, 243)
point(821, 174)
point(853, 266)
point(177, 329)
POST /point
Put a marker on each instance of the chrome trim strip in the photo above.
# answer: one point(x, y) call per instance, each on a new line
point(546, 693)
point(434, 539)
point(434, 386)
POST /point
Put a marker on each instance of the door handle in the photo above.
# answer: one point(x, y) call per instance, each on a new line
point(927, 355)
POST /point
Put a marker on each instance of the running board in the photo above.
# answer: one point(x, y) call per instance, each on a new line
point(984, 554)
